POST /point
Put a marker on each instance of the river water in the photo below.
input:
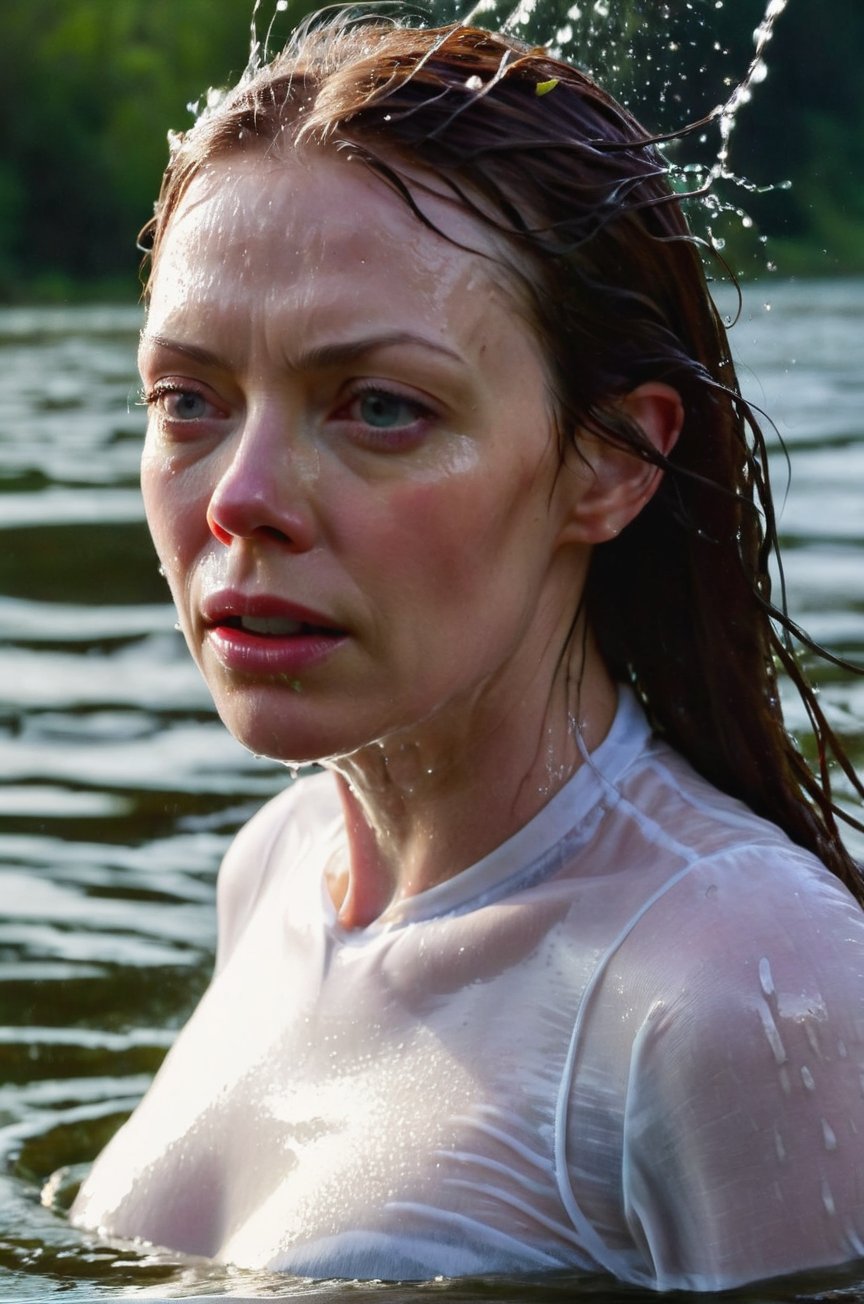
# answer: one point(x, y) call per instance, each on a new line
point(120, 788)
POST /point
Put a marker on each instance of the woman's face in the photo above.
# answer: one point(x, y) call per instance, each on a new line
point(351, 471)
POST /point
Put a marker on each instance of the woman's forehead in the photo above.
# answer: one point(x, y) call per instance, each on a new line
point(321, 200)
point(315, 241)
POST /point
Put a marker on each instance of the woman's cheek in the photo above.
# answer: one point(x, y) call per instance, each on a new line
point(169, 484)
point(449, 459)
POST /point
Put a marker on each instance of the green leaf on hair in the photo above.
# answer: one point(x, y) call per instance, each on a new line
point(543, 88)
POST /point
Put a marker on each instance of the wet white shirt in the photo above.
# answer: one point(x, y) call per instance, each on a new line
point(630, 1039)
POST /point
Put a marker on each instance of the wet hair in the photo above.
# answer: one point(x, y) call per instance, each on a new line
point(612, 282)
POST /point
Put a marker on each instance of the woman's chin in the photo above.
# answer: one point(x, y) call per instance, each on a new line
point(291, 743)
point(298, 728)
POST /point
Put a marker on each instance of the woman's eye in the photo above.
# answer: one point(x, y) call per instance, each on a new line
point(383, 411)
point(384, 419)
point(187, 405)
point(178, 404)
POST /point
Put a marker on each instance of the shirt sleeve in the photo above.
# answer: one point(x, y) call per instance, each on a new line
point(743, 1141)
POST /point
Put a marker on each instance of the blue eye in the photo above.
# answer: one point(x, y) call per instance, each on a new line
point(187, 405)
point(385, 411)
point(178, 404)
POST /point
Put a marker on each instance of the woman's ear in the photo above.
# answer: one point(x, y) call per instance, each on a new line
point(608, 486)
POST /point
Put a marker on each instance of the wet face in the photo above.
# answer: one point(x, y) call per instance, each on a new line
point(350, 470)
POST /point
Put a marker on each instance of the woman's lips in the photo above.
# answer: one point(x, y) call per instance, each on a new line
point(261, 636)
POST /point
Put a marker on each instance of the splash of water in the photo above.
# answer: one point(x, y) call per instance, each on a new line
point(633, 48)
point(743, 92)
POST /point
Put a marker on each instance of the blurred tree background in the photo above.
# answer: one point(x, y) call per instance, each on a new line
point(89, 89)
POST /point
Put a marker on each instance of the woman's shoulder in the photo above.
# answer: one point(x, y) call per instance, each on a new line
point(719, 843)
point(746, 893)
point(718, 898)
point(746, 1061)
point(732, 1005)
point(285, 829)
point(777, 909)
point(671, 846)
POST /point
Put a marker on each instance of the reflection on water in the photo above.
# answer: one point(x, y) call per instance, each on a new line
point(120, 788)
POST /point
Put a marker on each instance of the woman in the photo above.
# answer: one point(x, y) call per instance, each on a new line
point(453, 487)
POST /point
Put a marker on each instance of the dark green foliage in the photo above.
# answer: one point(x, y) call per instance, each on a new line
point(89, 89)
point(806, 124)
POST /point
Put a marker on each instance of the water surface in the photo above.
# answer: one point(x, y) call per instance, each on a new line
point(120, 788)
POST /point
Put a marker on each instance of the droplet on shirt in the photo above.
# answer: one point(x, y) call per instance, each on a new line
point(813, 1039)
point(828, 1199)
point(769, 1027)
point(828, 1135)
point(779, 1146)
point(766, 979)
point(855, 1242)
point(807, 1078)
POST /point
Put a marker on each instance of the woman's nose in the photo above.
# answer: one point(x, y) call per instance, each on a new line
point(266, 490)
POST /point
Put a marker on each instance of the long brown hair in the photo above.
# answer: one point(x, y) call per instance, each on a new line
point(613, 283)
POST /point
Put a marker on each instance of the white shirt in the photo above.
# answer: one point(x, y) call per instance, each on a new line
point(629, 1039)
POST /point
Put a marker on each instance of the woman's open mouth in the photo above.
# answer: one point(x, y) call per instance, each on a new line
point(266, 636)
point(277, 627)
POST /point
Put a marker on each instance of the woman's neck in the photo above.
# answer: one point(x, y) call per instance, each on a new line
point(424, 804)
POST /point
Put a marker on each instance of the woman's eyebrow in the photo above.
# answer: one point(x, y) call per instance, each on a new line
point(319, 357)
point(322, 356)
point(193, 351)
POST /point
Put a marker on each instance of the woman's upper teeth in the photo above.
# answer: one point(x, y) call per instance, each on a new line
point(271, 625)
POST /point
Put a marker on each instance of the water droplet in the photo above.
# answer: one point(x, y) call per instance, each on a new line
point(828, 1199)
point(813, 1038)
point(769, 1027)
point(807, 1078)
point(828, 1135)
point(766, 980)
